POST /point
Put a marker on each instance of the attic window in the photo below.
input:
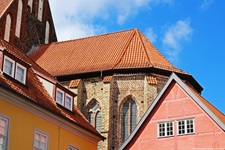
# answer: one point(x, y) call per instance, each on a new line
point(14, 69)
point(64, 99)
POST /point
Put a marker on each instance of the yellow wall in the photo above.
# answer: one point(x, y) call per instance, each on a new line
point(22, 125)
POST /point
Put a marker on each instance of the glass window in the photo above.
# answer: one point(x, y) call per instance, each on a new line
point(129, 118)
point(20, 73)
point(9, 65)
point(165, 129)
point(185, 126)
point(68, 102)
point(60, 97)
point(40, 141)
point(95, 118)
point(3, 133)
point(72, 148)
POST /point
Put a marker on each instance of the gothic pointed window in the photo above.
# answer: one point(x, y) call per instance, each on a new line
point(95, 116)
point(47, 28)
point(7, 28)
point(128, 118)
point(19, 18)
point(40, 9)
point(30, 3)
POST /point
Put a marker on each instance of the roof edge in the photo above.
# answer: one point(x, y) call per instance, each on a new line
point(173, 77)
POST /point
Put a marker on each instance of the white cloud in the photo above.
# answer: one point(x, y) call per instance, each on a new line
point(205, 4)
point(150, 35)
point(79, 15)
point(177, 33)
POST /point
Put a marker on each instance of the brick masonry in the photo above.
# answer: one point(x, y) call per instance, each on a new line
point(111, 96)
point(32, 30)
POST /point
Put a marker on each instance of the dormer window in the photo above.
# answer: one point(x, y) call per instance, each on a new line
point(64, 99)
point(14, 69)
point(9, 66)
point(20, 73)
point(68, 102)
point(60, 97)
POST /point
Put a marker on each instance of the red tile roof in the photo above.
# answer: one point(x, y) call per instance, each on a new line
point(120, 50)
point(36, 93)
point(4, 4)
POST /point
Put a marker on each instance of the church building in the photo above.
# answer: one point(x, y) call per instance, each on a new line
point(116, 76)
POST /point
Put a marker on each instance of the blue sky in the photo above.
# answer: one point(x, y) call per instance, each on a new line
point(189, 33)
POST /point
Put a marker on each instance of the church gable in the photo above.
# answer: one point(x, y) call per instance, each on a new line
point(26, 23)
point(178, 119)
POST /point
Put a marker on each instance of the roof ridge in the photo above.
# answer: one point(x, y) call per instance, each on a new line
point(145, 50)
point(124, 49)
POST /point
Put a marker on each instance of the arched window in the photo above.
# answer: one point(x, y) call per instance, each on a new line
point(40, 9)
point(95, 116)
point(47, 28)
point(128, 118)
point(30, 3)
point(7, 28)
point(19, 18)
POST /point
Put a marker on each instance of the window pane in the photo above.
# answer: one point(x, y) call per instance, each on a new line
point(8, 67)
point(125, 113)
point(190, 126)
point(169, 128)
point(3, 133)
point(20, 74)
point(133, 115)
point(59, 97)
point(91, 118)
point(181, 127)
point(68, 103)
point(99, 121)
point(40, 141)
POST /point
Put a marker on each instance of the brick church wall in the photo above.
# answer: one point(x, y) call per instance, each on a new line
point(32, 30)
point(111, 95)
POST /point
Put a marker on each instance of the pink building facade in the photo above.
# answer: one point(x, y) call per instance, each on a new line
point(179, 118)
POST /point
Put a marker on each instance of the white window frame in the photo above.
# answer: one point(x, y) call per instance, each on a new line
point(71, 147)
point(24, 75)
point(42, 134)
point(5, 137)
point(6, 58)
point(63, 97)
point(185, 126)
point(165, 127)
point(71, 101)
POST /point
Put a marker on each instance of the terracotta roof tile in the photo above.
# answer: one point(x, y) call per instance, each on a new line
point(151, 80)
point(212, 108)
point(74, 83)
point(35, 92)
point(107, 79)
point(119, 50)
point(4, 4)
